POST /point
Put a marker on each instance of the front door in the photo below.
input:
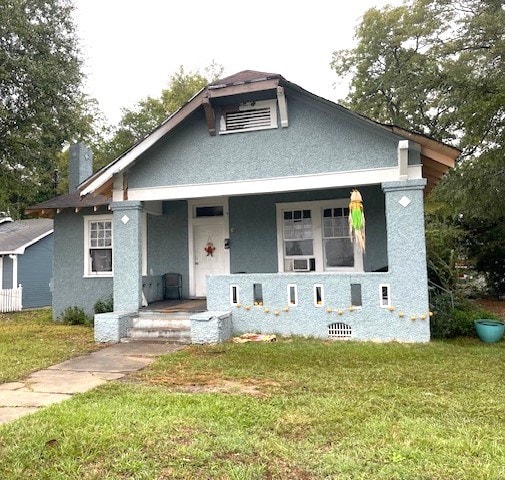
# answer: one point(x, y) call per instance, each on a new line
point(209, 254)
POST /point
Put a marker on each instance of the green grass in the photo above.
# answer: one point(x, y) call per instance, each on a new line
point(295, 409)
point(30, 341)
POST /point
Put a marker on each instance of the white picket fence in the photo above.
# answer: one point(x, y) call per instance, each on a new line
point(11, 299)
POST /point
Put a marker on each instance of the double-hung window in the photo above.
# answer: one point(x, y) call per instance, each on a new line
point(314, 236)
point(337, 245)
point(298, 238)
point(98, 245)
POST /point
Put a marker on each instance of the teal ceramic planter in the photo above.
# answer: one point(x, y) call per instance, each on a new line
point(489, 331)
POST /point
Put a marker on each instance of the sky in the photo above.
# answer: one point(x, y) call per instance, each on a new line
point(131, 47)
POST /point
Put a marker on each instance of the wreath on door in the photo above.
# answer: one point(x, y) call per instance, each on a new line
point(209, 248)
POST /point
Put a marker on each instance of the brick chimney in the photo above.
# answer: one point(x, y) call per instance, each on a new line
point(80, 165)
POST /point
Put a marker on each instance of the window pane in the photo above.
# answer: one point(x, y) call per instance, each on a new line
point(101, 260)
point(214, 211)
point(288, 215)
point(297, 214)
point(299, 247)
point(339, 252)
point(341, 227)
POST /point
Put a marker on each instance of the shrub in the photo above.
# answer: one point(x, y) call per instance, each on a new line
point(104, 305)
point(75, 316)
point(457, 321)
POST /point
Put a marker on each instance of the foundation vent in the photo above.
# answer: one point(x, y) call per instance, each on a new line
point(339, 330)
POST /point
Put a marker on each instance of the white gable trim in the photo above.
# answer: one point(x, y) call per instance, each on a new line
point(142, 146)
point(271, 185)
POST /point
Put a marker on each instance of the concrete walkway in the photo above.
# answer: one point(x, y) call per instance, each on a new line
point(79, 374)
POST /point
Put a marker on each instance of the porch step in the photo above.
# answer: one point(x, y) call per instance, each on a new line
point(167, 327)
point(162, 321)
point(171, 334)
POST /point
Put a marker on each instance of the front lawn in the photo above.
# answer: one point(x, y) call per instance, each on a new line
point(30, 341)
point(295, 409)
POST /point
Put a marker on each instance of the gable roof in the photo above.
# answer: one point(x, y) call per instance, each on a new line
point(436, 156)
point(16, 236)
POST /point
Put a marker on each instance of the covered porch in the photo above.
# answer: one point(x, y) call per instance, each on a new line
point(251, 273)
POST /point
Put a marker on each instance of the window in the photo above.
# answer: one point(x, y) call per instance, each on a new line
point(385, 295)
point(234, 298)
point(257, 294)
point(98, 245)
point(298, 239)
point(318, 295)
point(209, 211)
point(314, 236)
point(337, 243)
point(259, 115)
point(292, 295)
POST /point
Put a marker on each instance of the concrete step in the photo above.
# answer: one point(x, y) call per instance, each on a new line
point(179, 334)
point(156, 340)
point(161, 321)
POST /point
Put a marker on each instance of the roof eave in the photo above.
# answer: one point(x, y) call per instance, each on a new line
point(105, 176)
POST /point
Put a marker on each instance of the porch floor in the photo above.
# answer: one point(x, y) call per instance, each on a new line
point(175, 306)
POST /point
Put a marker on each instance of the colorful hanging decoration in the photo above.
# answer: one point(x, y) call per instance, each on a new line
point(357, 219)
point(209, 249)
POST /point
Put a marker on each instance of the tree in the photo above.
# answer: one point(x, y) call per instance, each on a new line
point(150, 112)
point(432, 66)
point(41, 102)
point(437, 67)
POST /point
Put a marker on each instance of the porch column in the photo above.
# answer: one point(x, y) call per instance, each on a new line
point(127, 261)
point(406, 246)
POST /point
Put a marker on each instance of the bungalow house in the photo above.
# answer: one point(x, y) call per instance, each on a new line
point(26, 263)
point(244, 193)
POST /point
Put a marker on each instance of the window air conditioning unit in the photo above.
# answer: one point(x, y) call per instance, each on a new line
point(301, 264)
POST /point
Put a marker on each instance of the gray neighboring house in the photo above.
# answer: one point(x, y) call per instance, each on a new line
point(244, 192)
point(26, 259)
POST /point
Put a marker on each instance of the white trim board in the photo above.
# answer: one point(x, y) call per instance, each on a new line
point(271, 185)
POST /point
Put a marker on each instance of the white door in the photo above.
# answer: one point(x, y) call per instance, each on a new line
point(209, 253)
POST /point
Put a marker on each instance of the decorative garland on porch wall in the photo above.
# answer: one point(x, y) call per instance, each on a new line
point(329, 310)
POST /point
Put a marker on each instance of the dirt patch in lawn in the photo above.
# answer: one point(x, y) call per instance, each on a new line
point(203, 383)
point(493, 305)
point(224, 386)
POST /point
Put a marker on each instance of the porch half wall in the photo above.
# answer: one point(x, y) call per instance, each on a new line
point(403, 321)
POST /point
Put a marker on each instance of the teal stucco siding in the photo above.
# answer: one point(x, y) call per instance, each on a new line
point(253, 228)
point(319, 139)
point(70, 287)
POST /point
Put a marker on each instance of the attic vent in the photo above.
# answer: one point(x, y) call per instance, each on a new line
point(339, 330)
point(249, 116)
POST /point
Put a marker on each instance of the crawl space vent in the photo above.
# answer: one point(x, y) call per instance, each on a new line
point(339, 330)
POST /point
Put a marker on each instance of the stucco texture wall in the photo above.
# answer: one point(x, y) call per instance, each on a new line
point(70, 288)
point(407, 322)
point(253, 229)
point(167, 240)
point(318, 139)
